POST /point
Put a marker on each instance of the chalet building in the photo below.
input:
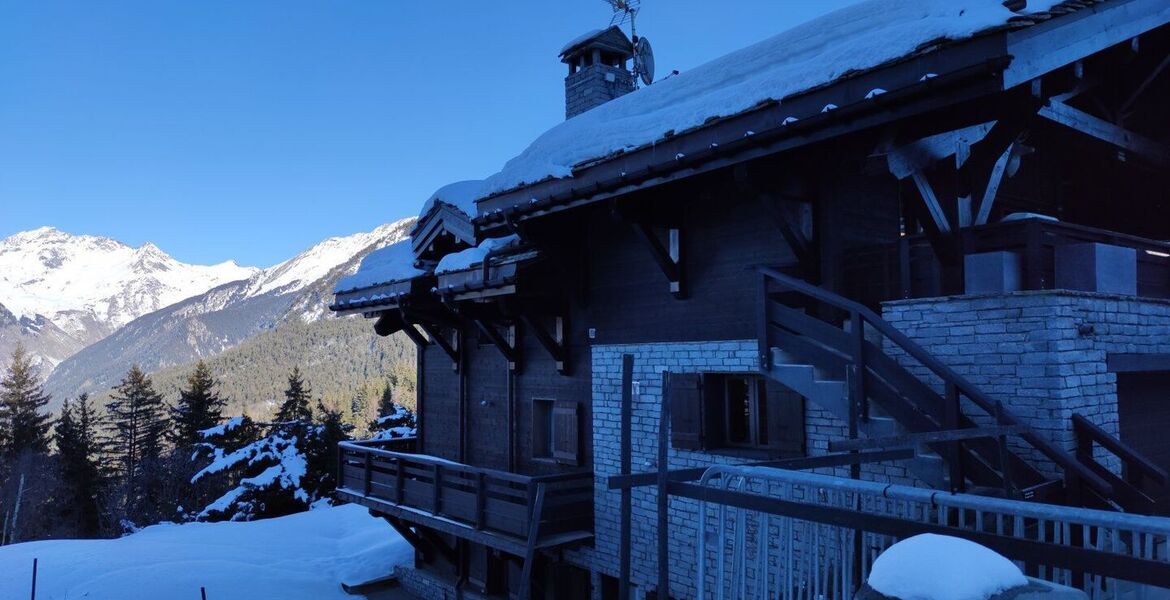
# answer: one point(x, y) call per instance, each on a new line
point(921, 244)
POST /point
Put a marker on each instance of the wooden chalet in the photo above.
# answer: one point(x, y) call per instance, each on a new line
point(941, 264)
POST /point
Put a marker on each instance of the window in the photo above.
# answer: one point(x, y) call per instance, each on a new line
point(745, 422)
point(712, 411)
point(555, 431)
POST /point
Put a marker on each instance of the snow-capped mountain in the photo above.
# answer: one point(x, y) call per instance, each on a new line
point(222, 317)
point(61, 292)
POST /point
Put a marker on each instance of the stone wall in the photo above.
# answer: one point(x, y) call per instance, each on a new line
point(650, 362)
point(594, 85)
point(1043, 354)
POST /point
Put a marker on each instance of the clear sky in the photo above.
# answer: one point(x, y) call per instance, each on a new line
point(249, 130)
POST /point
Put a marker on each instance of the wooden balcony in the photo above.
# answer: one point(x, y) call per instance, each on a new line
point(514, 513)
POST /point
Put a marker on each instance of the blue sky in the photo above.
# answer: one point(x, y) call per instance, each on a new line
point(222, 129)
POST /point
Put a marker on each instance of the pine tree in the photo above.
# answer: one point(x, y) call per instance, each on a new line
point(23, 397)
point(200, 407)
point(386, 406)
point(82, 470)
point(320, 449)
point(295, 408)
point(137, 420)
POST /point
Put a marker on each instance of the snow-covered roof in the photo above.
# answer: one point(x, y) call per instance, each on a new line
point(611, 38)
point(941, 567)
point(819, 52)
point(461, 194)
point(465, 259)
point(384, 265)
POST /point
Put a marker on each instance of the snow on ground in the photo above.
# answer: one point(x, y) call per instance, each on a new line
point(306, 556)
point(940, 567)
point(858, 37)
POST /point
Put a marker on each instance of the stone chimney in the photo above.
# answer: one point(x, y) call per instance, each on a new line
point(597, 69)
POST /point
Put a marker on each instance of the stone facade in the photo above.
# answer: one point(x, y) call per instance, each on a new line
point(650, 362)
point(1042, 353)
point(427, 586)
point(594, 85)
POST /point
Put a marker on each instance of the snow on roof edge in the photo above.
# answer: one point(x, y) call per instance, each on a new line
point(877, 32)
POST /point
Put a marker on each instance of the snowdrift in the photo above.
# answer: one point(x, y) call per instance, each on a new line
point(302, 556)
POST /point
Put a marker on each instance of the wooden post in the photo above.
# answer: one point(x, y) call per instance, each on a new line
point(399, 481)
point(368, 474)
point(34, 580)
point(202, 593)
point(904, 274)
point(480, 500)
point(951, 412)
point(1005, 465)
point(627, 410)
point(856, 413)
point(533, 538)
point(663, 498)
point(436, 492)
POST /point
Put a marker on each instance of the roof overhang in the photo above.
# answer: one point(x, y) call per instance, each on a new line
point(928, 82)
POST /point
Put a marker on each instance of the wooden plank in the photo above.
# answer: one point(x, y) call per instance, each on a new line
point(914, 440)
point(1153, 151)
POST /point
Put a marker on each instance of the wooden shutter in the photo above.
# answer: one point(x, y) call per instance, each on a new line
point(786, 422)
point(684, 392)
point(566, 432)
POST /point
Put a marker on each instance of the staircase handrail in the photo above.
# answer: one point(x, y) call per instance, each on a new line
point(1128, 456)
point(944, 372)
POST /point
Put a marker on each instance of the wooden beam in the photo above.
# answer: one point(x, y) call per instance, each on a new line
point(930, 199)
point(508, 349)
point(622, 482)
point(790, 231)
point(414, 335)
point(914, 440)
point(667, 256)
point(983, 213)
point(554, 342)
point(1123, 111)
point(422, 546)
point(436, 335)
point(1136, 363)
point(530, 549)
point(1110, 133)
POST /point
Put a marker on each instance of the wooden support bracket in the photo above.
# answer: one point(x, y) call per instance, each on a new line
point(1110, 133)
point(668, 256)
point(452, 351)
point(506, 346)
point(408, 328)
point(554, 342)
point(414, 539)
point(789, 229)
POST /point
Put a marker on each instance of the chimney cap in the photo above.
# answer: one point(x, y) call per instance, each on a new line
point(610, 40)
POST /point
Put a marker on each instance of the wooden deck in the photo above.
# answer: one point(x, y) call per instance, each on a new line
point(511, 512)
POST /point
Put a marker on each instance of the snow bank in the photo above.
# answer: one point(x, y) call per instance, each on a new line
point(465, 259)
point(461, 195)
point(306, 556)
point(384, 265)
point(815, 53)
point(939, 567)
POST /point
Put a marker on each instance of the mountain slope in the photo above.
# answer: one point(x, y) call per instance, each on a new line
point(62, 292)
point(223, 317)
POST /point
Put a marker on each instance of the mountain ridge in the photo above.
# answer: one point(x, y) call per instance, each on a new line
point(223, 317)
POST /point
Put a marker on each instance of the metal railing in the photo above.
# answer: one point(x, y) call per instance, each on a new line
point(807, 548)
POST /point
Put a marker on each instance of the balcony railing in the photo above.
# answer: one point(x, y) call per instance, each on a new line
point(909, 268)
point(501, 509)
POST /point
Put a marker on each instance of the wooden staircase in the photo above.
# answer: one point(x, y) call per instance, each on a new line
point(840, 355)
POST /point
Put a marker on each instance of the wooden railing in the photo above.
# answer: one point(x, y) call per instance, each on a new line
point(908, 268)
point(1141, 481)
point(482, 499)
point(873, 373)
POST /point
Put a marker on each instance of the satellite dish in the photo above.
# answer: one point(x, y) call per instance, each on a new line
point(644, 60)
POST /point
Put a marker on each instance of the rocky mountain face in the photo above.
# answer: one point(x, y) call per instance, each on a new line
point(60, 292)
point(206, 324)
